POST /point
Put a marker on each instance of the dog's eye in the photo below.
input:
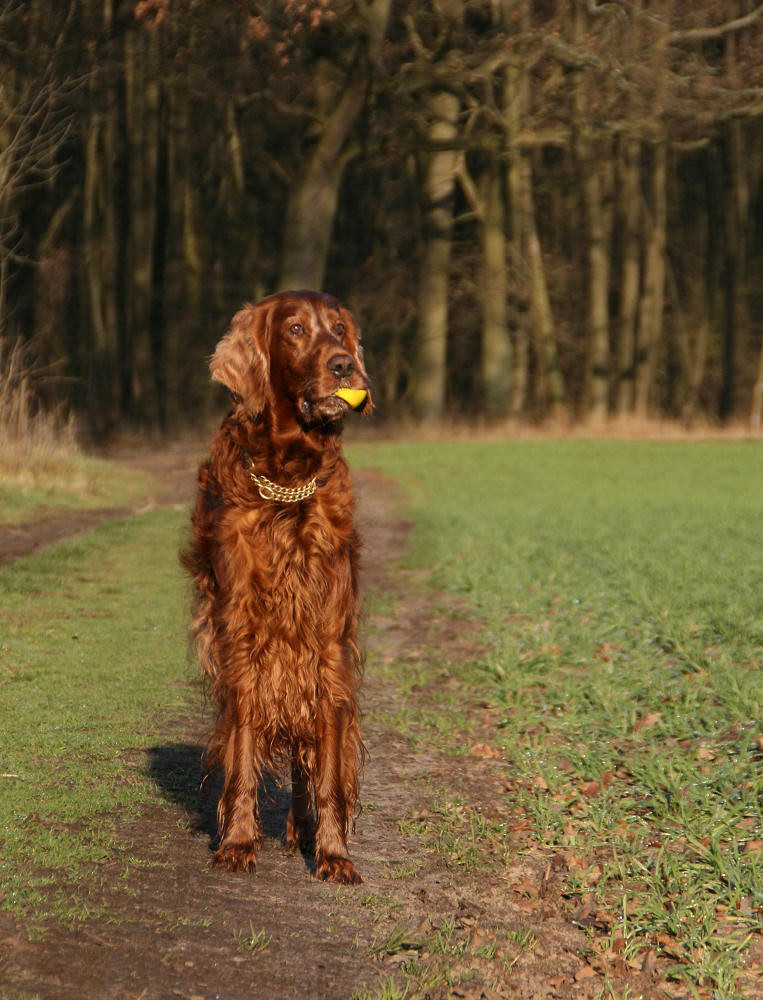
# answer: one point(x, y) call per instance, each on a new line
point(339, 330)
point(296, 329)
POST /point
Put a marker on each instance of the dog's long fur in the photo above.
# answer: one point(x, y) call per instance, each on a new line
point(276, 582)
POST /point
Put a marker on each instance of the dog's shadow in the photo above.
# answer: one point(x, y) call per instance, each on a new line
point(177, 770)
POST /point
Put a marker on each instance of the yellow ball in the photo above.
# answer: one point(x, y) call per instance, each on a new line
point(355, 397)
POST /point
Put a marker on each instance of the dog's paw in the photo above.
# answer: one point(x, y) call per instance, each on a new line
point(236, 857)
point(300, 835)
point(340, 870)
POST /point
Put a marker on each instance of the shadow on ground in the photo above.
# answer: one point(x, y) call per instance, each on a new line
point(178, 772)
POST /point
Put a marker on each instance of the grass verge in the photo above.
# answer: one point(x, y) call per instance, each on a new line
point(617, 587)
point(42, 466)
point(78, 482)
point(91, 658)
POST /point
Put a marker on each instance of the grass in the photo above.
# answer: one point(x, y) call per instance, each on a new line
point(91, 659)
point(443, 957)
point(42, 467)
point(34, 437)
point(252, 943)
point(618, 592)
point(80, 482)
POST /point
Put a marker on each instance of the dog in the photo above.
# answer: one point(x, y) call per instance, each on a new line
point(274, 561)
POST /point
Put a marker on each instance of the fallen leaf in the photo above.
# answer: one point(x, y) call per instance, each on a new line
point(669, 945)
point(479, 940)
point(525, 887)
point(605, 919)
point(540, 782)
point(584, 911)
point(574, 861)
point(753, 847)
point(649, 964)
point(585, 972)
point(590, 789)
point(648, 720)
point(484, 750)
point(607, 651)
point(594, 875)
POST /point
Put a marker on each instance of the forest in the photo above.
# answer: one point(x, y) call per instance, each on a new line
point(539, 211)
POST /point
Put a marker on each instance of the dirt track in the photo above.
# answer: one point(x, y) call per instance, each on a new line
point(177, 927)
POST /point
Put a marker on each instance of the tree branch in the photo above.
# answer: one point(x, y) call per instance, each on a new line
point(706, 34)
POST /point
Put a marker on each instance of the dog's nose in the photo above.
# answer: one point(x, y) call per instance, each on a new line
point(341, 365)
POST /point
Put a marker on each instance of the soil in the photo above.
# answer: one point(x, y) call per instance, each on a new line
point(173, 926)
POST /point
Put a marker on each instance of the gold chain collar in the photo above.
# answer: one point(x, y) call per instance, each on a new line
point(283, 494)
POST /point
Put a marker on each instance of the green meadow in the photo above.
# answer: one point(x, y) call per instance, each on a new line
point(618, 590)
point(615, 594)
point(92, 657)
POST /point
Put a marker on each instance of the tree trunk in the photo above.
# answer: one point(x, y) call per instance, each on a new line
point(99, 361)
point(496, 344)
point(430, 383)
point(142, 127)
point(694, 358)
point(630, 191)
point(156, 316)
point(515, 96)
point(312, 200)
point(734, 219)
point(552, 392)
point(598, 364)
point(756, 410)
point(97, 259)
point(313, 196)
point(653, 292)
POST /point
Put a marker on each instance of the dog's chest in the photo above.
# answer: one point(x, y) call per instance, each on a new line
point(301, 568)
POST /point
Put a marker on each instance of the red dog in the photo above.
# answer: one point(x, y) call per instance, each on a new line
point(274, 562)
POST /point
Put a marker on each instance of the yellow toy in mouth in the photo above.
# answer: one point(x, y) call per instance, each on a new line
point(355, 397)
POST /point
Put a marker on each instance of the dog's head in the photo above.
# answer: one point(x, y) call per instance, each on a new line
point(289, 354)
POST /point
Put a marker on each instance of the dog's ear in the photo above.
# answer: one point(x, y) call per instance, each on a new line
point(241, 362)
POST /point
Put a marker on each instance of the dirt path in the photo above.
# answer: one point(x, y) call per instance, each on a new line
point(174, 468)
point(455, 903)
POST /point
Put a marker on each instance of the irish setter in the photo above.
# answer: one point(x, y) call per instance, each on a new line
point(273, 560)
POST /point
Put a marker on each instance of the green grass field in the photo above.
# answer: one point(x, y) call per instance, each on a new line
point(93, 649)
point(620, 590)
point(616, 589)
point(71, 482)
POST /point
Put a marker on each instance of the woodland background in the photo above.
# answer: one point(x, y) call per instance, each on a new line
point(538, 210)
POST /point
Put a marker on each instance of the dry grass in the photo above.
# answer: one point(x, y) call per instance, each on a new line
point(614, 429)
point(38, 445)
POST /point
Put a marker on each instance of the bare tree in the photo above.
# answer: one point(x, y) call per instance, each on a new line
point(33, 126)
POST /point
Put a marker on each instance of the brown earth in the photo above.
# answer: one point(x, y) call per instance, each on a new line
point(441, 915)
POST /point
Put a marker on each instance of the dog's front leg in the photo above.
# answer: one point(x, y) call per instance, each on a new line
point(238, 818)
point(336, 778)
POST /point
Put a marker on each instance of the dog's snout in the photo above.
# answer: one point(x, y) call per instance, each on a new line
point(341, 365)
